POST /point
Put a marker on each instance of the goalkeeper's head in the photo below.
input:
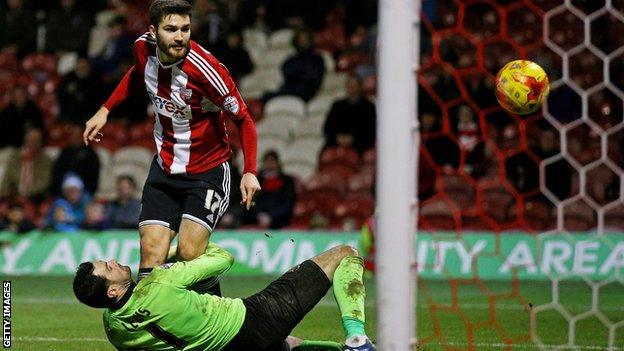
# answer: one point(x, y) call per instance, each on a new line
point(100, 284)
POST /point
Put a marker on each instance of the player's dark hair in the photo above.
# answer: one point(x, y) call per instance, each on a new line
point(161, 8)
point(90, 289)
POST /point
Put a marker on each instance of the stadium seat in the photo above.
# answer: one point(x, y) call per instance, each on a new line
point(614, 218)
point(251, 86)
point(133, 155)
point(266, 143)
point(343, 156)
point(254, 38)
point(38, 62)
point(328, 59)
point(333, 84)
point(326, 182)
point(281, 127)
point(359, 206)
point(8, 61)
point(310, 127)
point(303, 150)
point(458, 189)
point(301, 170)
point(320, 105)
point(288, 105)
point(495, 203)
point(578, 216)
point(437, 214)
point(271, 79)
point(107, 183)
point(535, 215)
point(361, 182)
point(281, 38)
point(272, 58)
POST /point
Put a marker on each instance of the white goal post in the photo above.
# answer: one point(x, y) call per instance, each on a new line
point(397, 149)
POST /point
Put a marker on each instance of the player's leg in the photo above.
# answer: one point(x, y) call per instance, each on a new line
point(158, 221)
point(344, 268)
point(155, 239)
point(204, 204)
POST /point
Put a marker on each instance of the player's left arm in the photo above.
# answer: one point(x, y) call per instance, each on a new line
point(223, 92)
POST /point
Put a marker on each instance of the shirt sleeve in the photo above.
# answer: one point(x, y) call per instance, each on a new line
point(221, 90)
point(213, 262)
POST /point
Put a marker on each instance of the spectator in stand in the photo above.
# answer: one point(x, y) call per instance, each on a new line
point(208, 25)
point(79, 93)
point(67, 29)
point(351, 122)
point(68, 211)
point(118, 49)
point(15, 220)
point(19, 115)
point(234, 56)
point(123, 212)
point(18, 32)
point(28, 171)
point(303, 72)
point(95, 217)
point(275, 204)
point(78, 158)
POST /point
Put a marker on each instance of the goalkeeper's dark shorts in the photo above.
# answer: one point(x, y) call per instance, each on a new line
point(275, 311)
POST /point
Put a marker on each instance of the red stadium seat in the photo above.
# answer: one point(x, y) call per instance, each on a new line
point(8, 61)
point(534, 215)
point(437, 214)
point(495, 202)
point(328, 181)
point(336, 155)
point(614, 218)
point(361, 182)
point(458, 188)
point(578, 216)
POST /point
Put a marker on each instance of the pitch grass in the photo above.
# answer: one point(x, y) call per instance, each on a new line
point(463, 316)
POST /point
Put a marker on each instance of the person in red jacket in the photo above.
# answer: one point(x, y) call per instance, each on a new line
point(188, 186)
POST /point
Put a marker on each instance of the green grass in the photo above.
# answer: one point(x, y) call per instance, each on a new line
point(463, 316)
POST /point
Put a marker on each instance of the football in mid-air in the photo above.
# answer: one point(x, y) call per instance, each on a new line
point(521, 87)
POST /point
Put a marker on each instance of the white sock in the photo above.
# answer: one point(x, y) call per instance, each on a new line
point(356, 340)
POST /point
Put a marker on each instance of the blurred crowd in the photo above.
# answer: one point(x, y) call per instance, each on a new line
point(480, 167)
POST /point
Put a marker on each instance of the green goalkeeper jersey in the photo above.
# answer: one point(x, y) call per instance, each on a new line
point(162, 314)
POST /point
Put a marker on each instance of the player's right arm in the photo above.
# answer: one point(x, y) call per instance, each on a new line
point(215, 261)
point(130, 84)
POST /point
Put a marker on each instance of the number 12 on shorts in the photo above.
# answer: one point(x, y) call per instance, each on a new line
point(213, 200)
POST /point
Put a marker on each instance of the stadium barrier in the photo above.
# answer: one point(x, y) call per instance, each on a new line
point(512, 255)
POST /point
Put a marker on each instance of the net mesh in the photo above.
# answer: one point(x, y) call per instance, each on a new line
point(548, 176)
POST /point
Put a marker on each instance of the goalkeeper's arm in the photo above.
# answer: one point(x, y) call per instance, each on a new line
point(213, 262)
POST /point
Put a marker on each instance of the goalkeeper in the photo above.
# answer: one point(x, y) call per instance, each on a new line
point(160, 313)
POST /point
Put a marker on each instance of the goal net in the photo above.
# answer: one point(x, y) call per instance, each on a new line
point(520, 242)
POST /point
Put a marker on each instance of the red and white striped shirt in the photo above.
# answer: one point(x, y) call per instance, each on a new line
point(191, 99)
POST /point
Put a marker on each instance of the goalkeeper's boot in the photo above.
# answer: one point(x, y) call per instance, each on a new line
point(368, 346)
